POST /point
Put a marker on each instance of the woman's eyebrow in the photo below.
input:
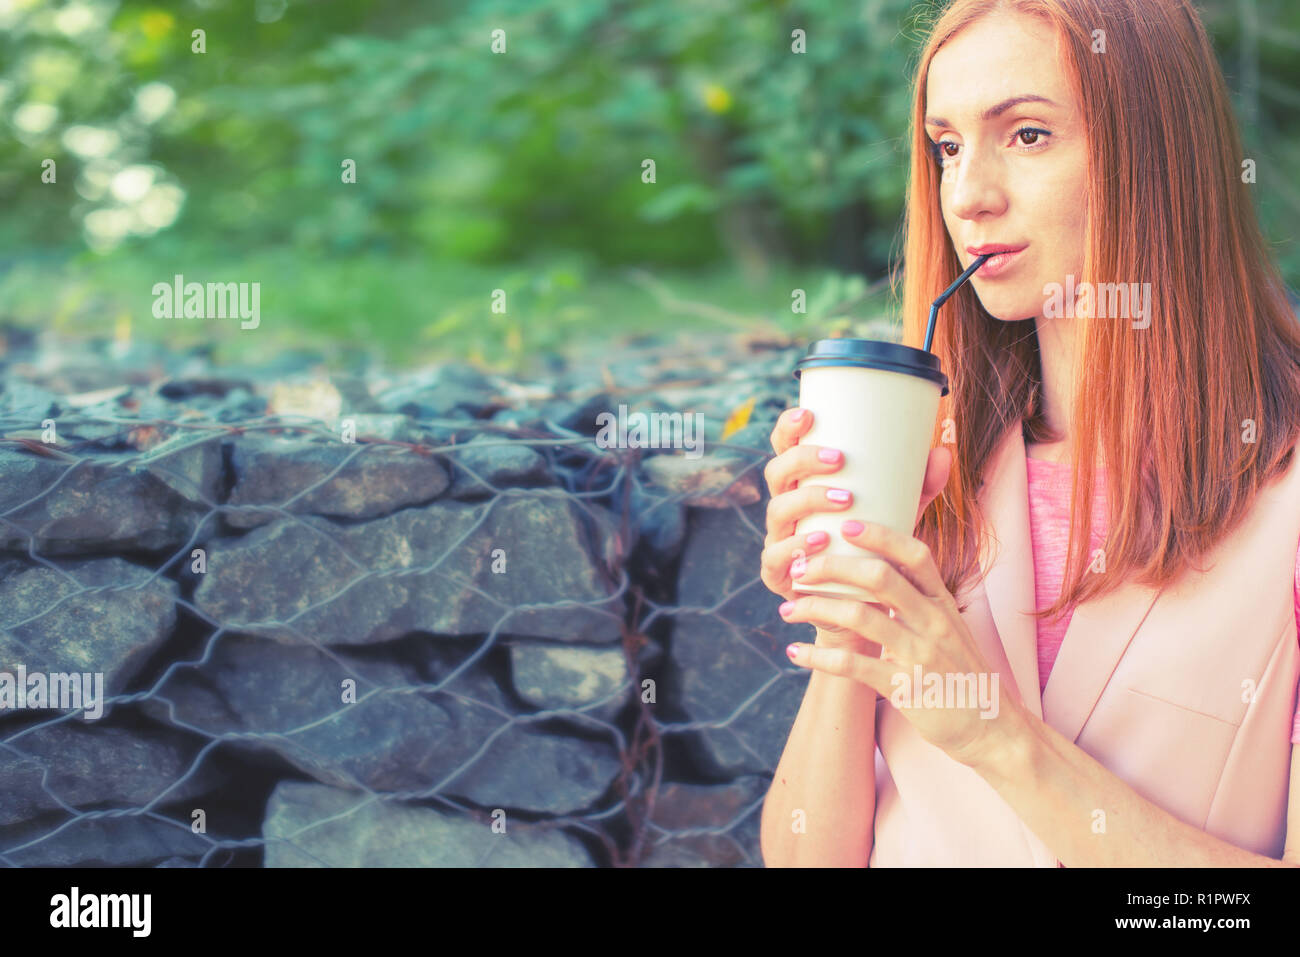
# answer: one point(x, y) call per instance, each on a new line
point(995, 111)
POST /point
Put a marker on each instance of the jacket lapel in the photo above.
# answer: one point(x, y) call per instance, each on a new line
point(1099, 631)
point(1009, 579)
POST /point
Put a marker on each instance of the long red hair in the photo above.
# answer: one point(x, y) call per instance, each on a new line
point(1167, 405)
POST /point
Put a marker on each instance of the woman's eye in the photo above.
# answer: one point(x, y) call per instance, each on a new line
point(1026, 135)
point(940, 150)
point(1032, 133)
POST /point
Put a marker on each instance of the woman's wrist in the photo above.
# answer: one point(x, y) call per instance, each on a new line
point(1007, 745)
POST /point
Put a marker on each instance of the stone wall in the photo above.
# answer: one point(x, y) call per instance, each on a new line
point(417, 619)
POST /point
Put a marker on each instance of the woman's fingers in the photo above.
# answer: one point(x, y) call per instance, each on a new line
point(909, 557)
point(790, 426)
point(776, 559)
point(785, 510)
point(846, 662)
point(856, 617)
point(783, 472)
point(877, 576)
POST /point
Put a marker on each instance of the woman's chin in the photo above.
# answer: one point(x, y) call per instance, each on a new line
point(1010, 308)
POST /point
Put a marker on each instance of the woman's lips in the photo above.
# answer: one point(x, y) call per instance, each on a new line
point(995, 266)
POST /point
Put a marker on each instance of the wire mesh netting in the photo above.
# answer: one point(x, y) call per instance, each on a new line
point(445, 641)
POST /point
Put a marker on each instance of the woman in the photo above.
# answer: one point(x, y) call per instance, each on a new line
point(1094, 140)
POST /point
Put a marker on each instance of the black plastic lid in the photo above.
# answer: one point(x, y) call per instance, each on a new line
point(874, 354)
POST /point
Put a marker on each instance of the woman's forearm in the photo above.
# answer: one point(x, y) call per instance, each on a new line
point(820, 809)
point(1086, 814)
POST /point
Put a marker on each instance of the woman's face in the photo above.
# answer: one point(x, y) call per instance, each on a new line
point(1013, 172)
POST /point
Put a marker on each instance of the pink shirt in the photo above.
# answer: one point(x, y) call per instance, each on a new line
point(1049, 531)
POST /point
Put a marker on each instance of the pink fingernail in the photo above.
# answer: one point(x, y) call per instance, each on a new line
point(829, 455)
point(786, 608)
point(852, 527)
point(791, 650)
point(798, 567)
point(817, 538)
point(796, 415)
point(837, 495)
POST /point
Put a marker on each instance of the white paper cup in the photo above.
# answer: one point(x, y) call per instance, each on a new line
point(876, 402)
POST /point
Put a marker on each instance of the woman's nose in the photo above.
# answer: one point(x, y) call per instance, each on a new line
point(975, 187)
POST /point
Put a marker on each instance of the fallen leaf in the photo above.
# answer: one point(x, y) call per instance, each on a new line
point(146, 437)
point(83, 399)
point(26, 439)
point(738, 419)
point(316, 400)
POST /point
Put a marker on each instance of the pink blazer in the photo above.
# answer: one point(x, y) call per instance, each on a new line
point(1186, 693)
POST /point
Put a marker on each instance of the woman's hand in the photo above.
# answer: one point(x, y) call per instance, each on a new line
point(971, 715)
point(789, 503)
point(782, 548)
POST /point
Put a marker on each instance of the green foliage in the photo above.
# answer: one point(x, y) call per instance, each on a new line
point(761, 157)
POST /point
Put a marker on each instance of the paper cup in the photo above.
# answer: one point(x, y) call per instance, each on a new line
point(876, 402)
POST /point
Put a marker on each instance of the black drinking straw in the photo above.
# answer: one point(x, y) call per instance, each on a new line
point(934, 307)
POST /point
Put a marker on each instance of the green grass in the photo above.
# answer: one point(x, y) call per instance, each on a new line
point(409, 311)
